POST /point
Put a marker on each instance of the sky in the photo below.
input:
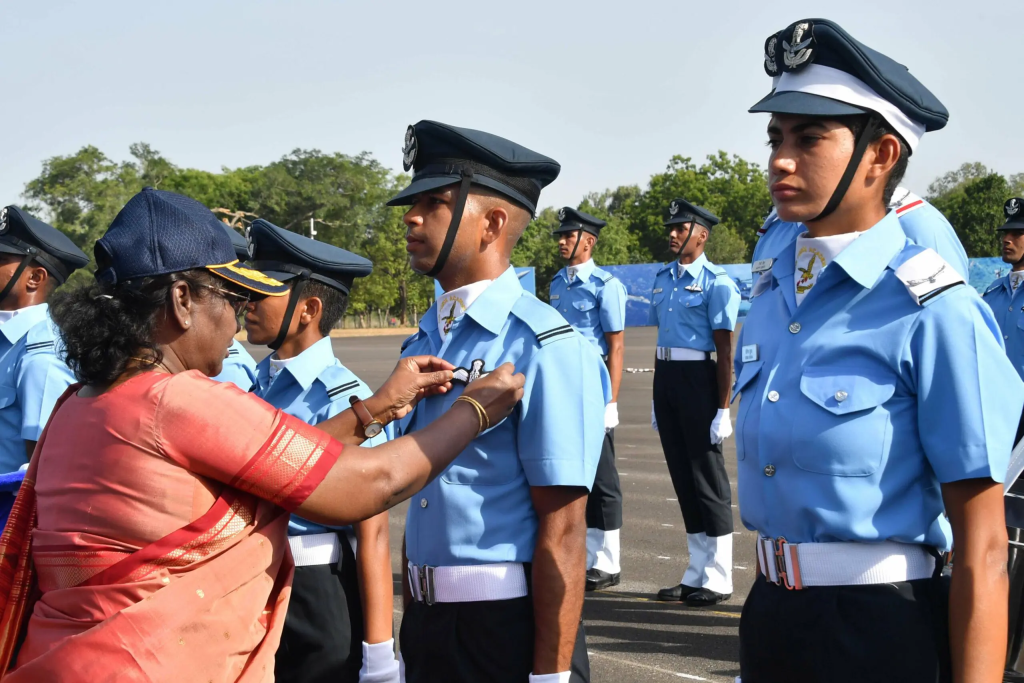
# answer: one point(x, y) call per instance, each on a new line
point(610, 89)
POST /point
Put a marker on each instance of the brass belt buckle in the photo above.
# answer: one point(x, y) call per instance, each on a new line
point(790, 582)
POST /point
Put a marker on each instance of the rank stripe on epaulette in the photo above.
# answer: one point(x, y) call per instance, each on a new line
point(934, 293)
point(564, 329)
point(608, 279)
point(342, 389)
point(38, 345)
point(909, 206)
point(233, 352)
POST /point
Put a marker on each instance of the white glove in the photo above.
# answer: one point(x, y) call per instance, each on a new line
point(721, 426)
point(611, 416)
point(654, 420)
point(379, 663)
point(561, 677)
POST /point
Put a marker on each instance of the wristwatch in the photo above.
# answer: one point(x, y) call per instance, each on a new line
point(371, 426)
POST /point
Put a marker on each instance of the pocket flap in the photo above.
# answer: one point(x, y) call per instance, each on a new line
point(747, 374)
point(842, 392)
point(584, 304)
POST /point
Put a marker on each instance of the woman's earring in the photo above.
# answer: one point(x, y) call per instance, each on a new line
point(187, 323)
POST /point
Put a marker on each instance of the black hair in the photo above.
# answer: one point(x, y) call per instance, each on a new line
point(103, 326)
point(856, 124)
point(334, 301)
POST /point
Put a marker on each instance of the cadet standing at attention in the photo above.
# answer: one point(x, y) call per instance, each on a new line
point(594, 303)
point(1005, 296)
point(34, 259)
point(496, 545)
point(341, 611)
point(695, 305)
point(239, 366)
point(878, 408)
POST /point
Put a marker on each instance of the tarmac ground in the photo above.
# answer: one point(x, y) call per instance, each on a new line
point(631, 637)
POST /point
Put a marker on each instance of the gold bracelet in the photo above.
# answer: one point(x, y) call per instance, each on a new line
point(481, 414)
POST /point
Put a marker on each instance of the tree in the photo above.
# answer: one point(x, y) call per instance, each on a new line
point(950, 181)
point(975, 209)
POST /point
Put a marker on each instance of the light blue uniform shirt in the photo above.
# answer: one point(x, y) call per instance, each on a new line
point(479, 509)
point(922, 223)
point(32, 378)
point(1008, 308)
point(687, 309)
point(594, 303)
point(313, 387)
point(239, 367)
point(857, 405)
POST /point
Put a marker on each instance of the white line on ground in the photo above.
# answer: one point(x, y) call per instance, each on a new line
point(664, 557)
point(666, 525)
point(648, 667)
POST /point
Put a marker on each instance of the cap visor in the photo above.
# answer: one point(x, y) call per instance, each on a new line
point(805, 104)
point(1012, 225)
point(417, 187)
point(250, 279)
point(10, 249)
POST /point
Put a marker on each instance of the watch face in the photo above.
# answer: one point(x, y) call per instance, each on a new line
point(373, 429)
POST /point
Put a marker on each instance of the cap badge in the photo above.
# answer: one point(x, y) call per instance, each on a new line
point(797, 53)
point(250, 244)
point(673, 208)
point(770, 67)
point(3, 220)
point(410, 148)
point(561, 214)
point(1011, 209)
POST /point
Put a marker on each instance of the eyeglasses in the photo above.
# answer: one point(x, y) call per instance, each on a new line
point(237, 301)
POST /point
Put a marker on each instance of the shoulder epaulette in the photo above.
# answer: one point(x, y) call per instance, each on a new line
point(411, 338)
point(666, 266)
point(41, 337)
point(544, 321)
point(904, 201)
point(771, 218)
point(994, 286)
point(340, 390)
point(232, 352)
point(926, 275)
point(602, 275)
point(38, 346)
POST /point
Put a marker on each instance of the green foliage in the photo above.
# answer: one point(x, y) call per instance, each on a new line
point(974, 206)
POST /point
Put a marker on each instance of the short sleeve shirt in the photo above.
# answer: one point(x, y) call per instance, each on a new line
point(687, 308)
point(594, 303)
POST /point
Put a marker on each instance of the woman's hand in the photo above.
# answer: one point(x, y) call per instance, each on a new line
point(412, 379)
point(498, 391)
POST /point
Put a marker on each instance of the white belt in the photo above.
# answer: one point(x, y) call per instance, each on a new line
point(315, 549)
point(471, 583)
point(802, 565)
point(675, 353)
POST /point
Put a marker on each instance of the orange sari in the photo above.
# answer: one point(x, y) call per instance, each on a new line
point(158, 521)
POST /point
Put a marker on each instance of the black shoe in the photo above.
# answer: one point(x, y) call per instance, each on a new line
point(598, 579)
point(676, 593)
point(705, 597)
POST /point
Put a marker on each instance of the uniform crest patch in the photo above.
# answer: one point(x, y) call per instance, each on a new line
point(3, 220)
point(1012, 207)
point(410, 148)
point(770, 67)
point(799, 50)
point(561, 214)
point(673, 208)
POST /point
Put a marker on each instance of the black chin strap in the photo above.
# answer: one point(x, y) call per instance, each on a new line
point(689, 234)
point(17, 275)
point(579, 238)
point(863, 140)
point(293, 300)
point(453, 227)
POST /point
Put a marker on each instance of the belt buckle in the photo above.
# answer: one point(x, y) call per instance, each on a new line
point(426, 576)
point(780, 566)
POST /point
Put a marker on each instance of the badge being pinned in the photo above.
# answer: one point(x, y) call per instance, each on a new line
point(474, 372)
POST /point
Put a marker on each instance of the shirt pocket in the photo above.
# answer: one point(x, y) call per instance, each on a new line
point(746, 380)
point(847, 431)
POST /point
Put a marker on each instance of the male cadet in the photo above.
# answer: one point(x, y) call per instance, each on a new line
point(34, 259)
point(594, 303)
point(328, 630)
point(239, 367)
point(695, 304)
point(496, 545)
point(1005, 296)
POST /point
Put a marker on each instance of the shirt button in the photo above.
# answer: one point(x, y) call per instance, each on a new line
point(670, 310)
point(841, 396)
point(773, 396)
point(675, 289)
point(794, 327)
point(423, 502)
point(769, 470)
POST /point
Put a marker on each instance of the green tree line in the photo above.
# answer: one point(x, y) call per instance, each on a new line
point(344, 197)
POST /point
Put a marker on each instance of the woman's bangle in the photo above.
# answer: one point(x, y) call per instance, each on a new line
point(485, 422)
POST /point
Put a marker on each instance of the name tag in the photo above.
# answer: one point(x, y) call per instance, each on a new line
point(658, 290)
point(555, 296)
point(762, 265)
point(748, 354)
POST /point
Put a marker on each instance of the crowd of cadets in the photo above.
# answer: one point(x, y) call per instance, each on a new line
point(877, 415)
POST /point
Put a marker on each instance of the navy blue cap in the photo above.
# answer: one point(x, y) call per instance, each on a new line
point(239, 242)
point(283, 255)
point(24, 234)
point(438, 153)
point(159, 232)
point(820, 70)
point(571, 220)
point(1013, 209)
point(682, 211)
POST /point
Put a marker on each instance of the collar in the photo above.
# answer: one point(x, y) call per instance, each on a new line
point(16, 328)
point(583, 271)
point(692, 268)
point(871, 253)
point(308, 365)
point(491, 308)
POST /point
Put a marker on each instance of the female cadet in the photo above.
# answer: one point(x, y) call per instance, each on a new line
point(876, 397)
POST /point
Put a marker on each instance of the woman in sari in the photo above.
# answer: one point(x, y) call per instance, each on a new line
point(157, 500)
